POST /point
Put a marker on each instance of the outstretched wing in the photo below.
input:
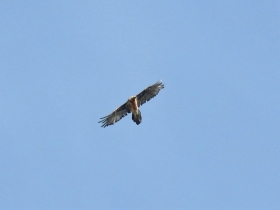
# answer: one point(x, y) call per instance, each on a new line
point(149, 93)
point(116, 115)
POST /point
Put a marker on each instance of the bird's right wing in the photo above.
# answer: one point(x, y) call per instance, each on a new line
point(115, 116)
point(149, 93)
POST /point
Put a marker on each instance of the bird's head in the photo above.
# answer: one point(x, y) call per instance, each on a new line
point(132, 98)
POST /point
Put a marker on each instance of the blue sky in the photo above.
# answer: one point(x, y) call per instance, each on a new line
point(209, 140)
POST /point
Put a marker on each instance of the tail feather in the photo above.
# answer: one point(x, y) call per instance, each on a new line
point(137, 117)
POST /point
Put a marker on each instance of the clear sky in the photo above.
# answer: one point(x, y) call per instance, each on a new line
point(209, 140)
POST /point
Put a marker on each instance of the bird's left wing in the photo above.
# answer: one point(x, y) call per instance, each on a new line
point(149, 93)
point(115, 116)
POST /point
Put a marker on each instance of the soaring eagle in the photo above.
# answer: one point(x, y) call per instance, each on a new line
point(132, 105)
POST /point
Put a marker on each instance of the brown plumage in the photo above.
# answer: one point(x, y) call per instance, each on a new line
point(132, 105)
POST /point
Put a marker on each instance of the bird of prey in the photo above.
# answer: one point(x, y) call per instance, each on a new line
point(132, 105)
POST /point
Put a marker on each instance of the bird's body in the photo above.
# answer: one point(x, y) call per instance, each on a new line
point(132, 105)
